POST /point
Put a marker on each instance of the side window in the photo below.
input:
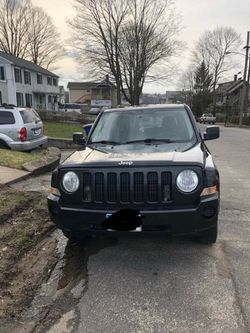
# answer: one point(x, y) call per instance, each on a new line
point(39, 79)
point(49, 81)
point(19, 99)
point(27, 77)
point(2, 73)
point(18, 75)
point(29, 116)
point(6, 118)
point(28, 99)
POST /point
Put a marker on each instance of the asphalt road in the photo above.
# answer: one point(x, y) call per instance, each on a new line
point(146, 285)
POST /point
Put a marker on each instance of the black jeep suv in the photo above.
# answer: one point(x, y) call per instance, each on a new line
point(141, 169)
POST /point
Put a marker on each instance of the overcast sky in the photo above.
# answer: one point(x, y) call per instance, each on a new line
point(197, 16)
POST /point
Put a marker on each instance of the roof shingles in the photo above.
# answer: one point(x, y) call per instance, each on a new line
point(19, 62)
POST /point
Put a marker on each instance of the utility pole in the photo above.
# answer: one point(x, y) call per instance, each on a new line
point(244, 88)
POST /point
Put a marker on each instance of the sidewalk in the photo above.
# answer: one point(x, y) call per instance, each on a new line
point(10, 175)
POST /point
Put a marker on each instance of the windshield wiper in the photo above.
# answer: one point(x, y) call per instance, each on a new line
point(105, 142)
point(149, 140)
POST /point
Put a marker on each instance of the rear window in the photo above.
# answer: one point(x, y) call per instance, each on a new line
point(29, 116)
point(6, 118)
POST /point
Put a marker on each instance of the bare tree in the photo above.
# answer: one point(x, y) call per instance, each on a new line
point(14, 26)
point(146, 40)
point(213, 48)
point(125, 38)
point(97, 27)
point(28, 32)
point(43, 48)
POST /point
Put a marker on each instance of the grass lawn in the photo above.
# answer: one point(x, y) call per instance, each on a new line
point(60, 130)
point(16, 159)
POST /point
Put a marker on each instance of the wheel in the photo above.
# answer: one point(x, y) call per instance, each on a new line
point(75, 237)
point(3, 145)
point(209, 236)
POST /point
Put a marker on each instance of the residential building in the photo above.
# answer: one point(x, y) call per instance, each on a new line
point(23, 83)
point(229, 93)
point(94, 94)
point(153, 99)
point(174, 97)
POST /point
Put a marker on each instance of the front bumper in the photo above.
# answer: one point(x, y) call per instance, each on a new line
point(175, 222)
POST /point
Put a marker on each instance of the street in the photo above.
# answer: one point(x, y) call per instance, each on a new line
point(153, 284)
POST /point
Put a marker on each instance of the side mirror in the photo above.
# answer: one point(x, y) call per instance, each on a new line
point(78, 139)
point(87, 128)
point(212, 132)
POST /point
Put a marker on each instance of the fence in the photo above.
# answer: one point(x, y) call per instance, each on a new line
point(230, 115)
point(66, 117)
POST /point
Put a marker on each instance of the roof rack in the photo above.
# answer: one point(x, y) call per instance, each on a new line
point(8, 106)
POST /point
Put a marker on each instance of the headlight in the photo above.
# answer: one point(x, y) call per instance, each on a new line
point(187, 181)
point(70, 182)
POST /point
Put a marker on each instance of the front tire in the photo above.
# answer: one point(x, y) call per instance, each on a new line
point(209, 236)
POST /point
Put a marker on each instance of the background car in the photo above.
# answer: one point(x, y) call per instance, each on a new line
point(207, 118)
point(20, 129)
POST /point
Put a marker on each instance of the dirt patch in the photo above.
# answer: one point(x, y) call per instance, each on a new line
point(26, 258)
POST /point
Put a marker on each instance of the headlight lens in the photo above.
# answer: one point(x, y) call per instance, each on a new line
point(70, 182)
point(187, 181)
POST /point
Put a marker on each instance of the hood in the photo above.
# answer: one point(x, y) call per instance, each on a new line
point(135, 155)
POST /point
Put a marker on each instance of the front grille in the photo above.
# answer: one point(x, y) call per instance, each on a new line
point(127, 187)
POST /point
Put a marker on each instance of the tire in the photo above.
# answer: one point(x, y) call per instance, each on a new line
point(209, 236)
point(3, 145)
point(75, 237)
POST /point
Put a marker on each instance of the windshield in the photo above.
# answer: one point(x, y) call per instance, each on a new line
point(144, 125)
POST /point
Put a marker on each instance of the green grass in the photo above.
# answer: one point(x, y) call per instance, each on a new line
point(16, 159)
point(60, 130)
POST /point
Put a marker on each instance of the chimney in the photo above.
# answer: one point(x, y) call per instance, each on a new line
point(235, 77)
point(107, 77)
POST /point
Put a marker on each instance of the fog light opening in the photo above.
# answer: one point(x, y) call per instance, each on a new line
point(209, 212)
point(123, 220)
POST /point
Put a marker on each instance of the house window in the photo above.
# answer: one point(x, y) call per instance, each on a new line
point(1, 101)
point(39, 79)
point(27, 77)
point(2, 74)
point(18, 75)
point(55, 81)
point(49, 99)
point(19, 99)
point(49, 81)
point(28, 99)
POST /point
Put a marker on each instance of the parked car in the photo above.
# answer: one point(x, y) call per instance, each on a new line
point(20, 129)
point(207, 118)
point(141, 169)
point(94, 111)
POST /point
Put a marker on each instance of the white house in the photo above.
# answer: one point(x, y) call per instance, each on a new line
point(24, 83)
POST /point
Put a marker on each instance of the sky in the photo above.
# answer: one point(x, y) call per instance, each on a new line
point(196, 17)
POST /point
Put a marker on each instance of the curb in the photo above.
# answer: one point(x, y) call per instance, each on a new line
point(18, 179)
point(61, 143)
point(48, 163)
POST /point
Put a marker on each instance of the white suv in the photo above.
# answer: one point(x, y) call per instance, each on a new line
point(20, 129)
